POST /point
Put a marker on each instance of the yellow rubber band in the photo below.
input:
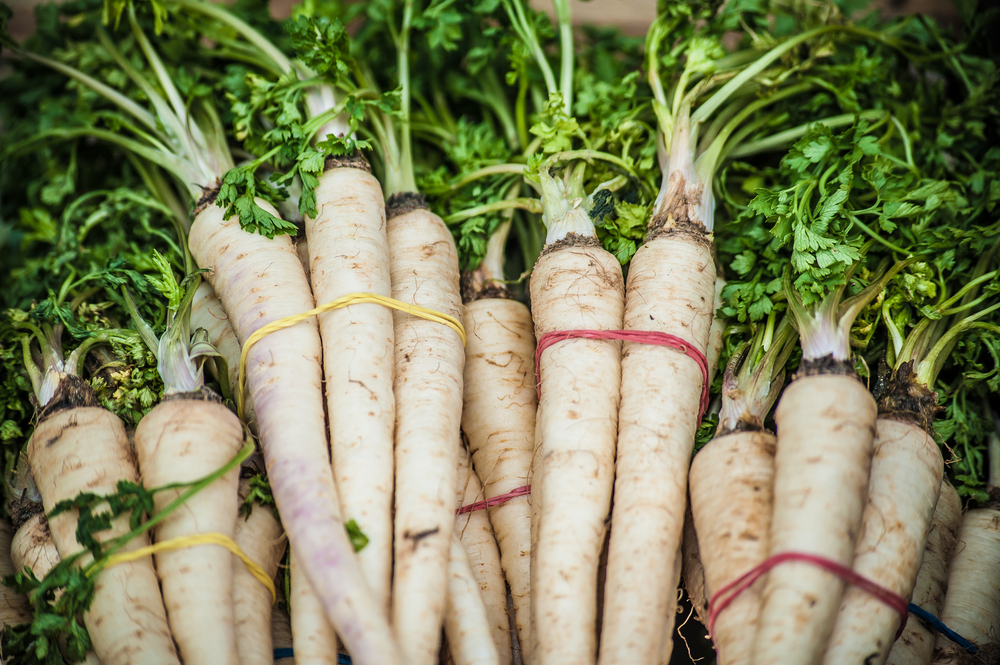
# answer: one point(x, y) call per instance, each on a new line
point(344, 301)
point(191, 541)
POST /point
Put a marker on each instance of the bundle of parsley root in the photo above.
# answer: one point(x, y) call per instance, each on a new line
point(458, 332)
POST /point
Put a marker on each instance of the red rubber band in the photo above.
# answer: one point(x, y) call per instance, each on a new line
point(730, 592)
point(637, 336)
point(495, 501)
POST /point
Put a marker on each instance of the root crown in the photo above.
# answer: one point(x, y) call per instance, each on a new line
point(906, 400)
point(571, 240)
point(404, 202)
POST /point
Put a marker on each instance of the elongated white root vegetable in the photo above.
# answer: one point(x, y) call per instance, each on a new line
point(826, 426)
point(261, 538)
point(260, 280)
point(429, 360)
point(180, 441)
point(207, 313)
point(731, 501)
point(348, 253)
point(916, 645)
point(575, 285)
point(715, 332)
point(692, 570)
point(535, 480)
point(31, 548)
point(14, 607)
point(126, 621)
point(313, 638)
point(467, 623)
point(903, 489)
point(499, 417)
point(476, 536)
point(972, 604)
point(671, 289)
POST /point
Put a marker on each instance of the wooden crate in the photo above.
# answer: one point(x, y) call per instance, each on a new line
point(633, 16)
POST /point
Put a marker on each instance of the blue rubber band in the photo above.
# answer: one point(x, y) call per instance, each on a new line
point(937, 625)
point(287, 652)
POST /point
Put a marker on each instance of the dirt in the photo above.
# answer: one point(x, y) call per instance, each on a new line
point(987, 655)
point(208, 196)
point(23, 509)
point(902, 398)
point(71, 393)
point(355, 161)
point(680, 217)
point(204, 394)
point(746, 423)
point(825, 366)
point(404, 202)
point(475, 287)
point(571, 240)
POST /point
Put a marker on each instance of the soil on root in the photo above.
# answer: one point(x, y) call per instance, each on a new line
point(22, 509)
point(475, 287)
point(988, 654)
point(681, 213)
point(825, 366)
point(352, 161)
point(404, 202)
point(72, 392)
point(571, 240)
point(903, 399)
point(746, 423)
point(208, 196)
point(203, 394)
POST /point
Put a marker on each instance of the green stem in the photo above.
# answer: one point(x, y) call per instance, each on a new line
point(145, 331)
point(166, 84)
point(932, 364)
point(485, 172)
point(408, 180)
point(34, 374)
point(588, 155)
point(974, 284)
point(526, 31)
point(244, 29)
point(520, 108)
point(566, 53)
point(74, 364)
point(709, 107)
point(531, 238)
point(176, 166)
point(709, 159)
point(896, 338)
point(782, 139)
point(906, 142)
point(529, 204)
point(115, 97)
point(877, 238)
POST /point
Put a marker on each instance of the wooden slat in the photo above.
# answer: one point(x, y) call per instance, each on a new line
point(633, 16)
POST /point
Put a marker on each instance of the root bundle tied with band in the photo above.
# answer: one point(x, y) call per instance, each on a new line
point(422, 332)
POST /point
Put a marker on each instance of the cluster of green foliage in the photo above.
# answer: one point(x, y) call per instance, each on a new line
point(869, 144)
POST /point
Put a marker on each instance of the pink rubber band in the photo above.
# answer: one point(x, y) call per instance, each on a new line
point(495, 501)
point(729, 593)
point(637, 336)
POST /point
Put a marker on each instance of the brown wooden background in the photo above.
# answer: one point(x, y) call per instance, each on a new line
point(634, 16)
